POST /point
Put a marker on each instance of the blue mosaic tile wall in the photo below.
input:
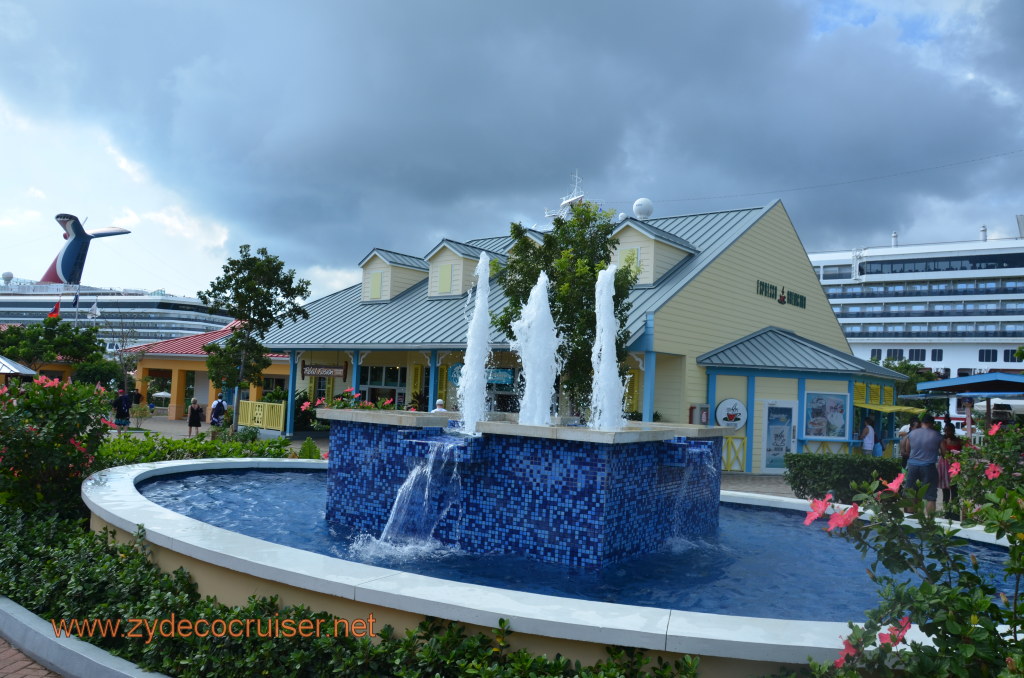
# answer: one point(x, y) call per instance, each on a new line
point(574, 503)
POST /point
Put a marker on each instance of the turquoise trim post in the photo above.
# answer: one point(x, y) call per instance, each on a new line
point(289, 429)
point(355, 371)
point(751, 394)
point(801, 398)
point(712, 393)
point(650, 365)
point(432, 389)
point(850, 421)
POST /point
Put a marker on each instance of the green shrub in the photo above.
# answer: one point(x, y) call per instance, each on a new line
point(309, 450)
point(49, 433)
point(154, 447)
point(815, 475)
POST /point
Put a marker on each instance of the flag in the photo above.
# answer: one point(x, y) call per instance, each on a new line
point(55, 311)
point(94, 312)
point(74, 302)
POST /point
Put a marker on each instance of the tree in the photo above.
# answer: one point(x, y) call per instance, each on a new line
point(50, 341)
point(259, 293)
point(101, 372)
point(124, 336)
point(915, 373)
point(572, 253)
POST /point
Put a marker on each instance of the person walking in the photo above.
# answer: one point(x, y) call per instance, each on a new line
point(217, 410)
point(122, 410)
point(949, 449)
point(869, 441)
point(921, 464)
point(195, 417)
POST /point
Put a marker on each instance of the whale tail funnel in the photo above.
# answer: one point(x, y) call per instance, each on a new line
point(70, 261)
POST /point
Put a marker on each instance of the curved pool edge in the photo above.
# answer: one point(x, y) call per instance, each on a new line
point(112, 497)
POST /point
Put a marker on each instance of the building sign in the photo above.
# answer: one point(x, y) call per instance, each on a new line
point(326, 371)
point(782, 296)
point(731, 412)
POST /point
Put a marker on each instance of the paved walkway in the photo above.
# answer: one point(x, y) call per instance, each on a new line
point(14, 664)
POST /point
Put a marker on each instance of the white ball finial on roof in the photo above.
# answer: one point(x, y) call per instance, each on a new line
point(8, 277)
point(643, 208)
point(621, 217)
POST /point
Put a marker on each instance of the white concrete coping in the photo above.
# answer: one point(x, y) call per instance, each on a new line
point(631, 433)
point(70, 657)
point(112, 496)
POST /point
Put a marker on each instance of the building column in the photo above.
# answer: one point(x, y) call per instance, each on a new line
point(355, 371)
point(289, 429)
point(176, 408)
point(141, 384)
point(432, 390)
point(650, 365)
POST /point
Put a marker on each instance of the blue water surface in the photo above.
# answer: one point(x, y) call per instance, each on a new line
point(763, 563)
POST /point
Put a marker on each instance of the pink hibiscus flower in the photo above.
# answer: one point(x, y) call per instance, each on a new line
point(818, 509)
point(389, 401)
point(993, 471)
point(348, 390)
point(305, 406)
point(995, 428)
point(848, 651)
point(357, 395)
point(894, 486)
point(954, 469)
point(319, 402)
point(843, 519)
point(109, 423)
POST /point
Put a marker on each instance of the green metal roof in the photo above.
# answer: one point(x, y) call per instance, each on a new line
point(774, 348)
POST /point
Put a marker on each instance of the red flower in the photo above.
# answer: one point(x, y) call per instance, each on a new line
point(848, 651)
point(389, 401)
point(108, 423)
point(995, 428)
point(305, 406)
point(896, 633)
point(818, 509)
point(843, 519)
point(77, 445)
point(357, 395)
point(954, 469)
point(348, 390)
point(993, 471)
point(319, 402)
point(894, 486)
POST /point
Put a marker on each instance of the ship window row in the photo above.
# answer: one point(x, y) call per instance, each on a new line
point(977, 262)
point(933, 308)
point(928, 287)
point(917, 355)
point(938, 329)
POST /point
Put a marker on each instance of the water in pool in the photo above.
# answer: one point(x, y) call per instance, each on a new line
point(764, 563)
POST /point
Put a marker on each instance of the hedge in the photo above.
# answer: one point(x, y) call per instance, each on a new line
point(812, 476)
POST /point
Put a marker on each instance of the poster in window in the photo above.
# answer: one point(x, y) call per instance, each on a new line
point(826, 416)
point(778, 436)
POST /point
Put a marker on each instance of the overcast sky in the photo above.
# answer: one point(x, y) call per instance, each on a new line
point(321, 130)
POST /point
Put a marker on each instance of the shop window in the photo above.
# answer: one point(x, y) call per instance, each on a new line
point(987, 355)
point(936, 355)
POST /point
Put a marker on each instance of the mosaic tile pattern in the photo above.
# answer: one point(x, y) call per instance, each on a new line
point(574, 503)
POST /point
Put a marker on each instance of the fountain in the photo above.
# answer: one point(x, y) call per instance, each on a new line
point(472, 393)
point(537, 343)
point(582, 497)
point(606, 397)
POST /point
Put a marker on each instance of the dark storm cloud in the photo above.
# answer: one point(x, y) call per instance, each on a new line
point(353, 125)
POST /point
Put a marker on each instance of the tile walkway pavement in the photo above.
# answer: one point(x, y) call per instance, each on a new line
point(14, 664)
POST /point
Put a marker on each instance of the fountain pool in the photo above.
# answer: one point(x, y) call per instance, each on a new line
point(234, 566)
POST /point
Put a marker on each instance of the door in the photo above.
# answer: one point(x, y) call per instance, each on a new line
point(778, 435)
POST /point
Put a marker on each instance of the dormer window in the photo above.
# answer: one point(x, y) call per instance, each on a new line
point(445, 273)
point(652, 250)
point(387, 274)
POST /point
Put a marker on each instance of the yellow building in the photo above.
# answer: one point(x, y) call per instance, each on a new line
point(737, 280)
point(182, 361)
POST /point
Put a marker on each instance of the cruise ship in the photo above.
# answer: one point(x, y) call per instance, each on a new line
point(955, 307)
point(125, 317)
